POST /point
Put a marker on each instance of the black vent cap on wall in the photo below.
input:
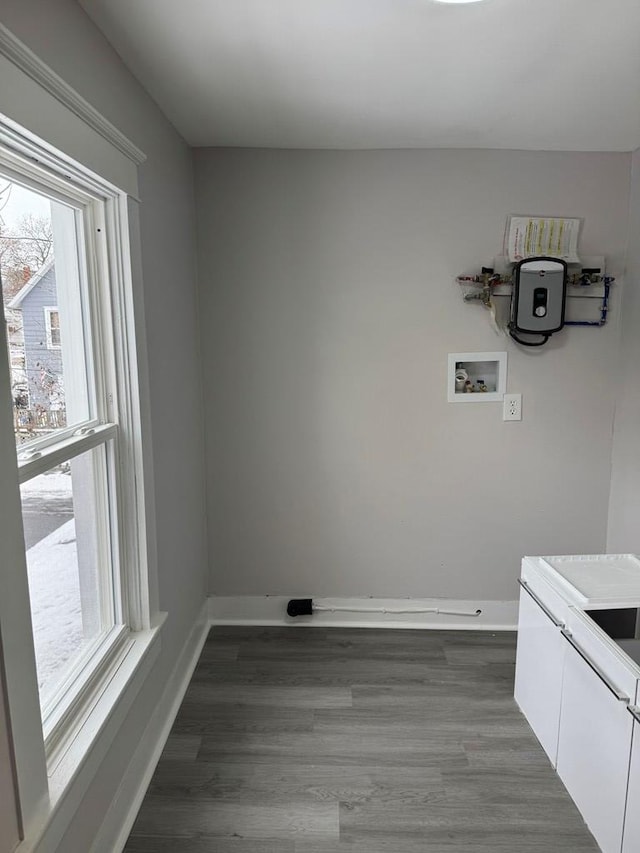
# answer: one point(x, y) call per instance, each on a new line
point(300, 607)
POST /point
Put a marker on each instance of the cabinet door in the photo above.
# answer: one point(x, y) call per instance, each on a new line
point(539, 662)
point(631, 841)
point(594, 745)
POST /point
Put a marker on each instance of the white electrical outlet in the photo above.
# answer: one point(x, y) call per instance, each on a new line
point(512, 407)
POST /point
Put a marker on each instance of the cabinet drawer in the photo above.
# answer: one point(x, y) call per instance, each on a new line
point(539, 663)
point(546, 597)
point(594, 744)
point(607, 658)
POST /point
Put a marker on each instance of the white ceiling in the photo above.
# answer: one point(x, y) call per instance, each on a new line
point(532, 74)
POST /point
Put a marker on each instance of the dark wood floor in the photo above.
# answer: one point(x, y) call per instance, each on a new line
point(304, 740)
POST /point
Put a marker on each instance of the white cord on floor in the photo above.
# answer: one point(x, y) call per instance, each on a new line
point(344, 609)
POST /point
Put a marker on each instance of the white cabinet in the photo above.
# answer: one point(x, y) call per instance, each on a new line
point(594, 744)
point(578, 684)
point(631, 839)
point(539, 663)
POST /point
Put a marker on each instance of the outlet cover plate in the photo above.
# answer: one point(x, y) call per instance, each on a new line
point(512, 407)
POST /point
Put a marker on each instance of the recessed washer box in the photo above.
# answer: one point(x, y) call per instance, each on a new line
point(483, 370)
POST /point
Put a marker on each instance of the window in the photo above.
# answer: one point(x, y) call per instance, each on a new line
point(71, 358)
point(52, 323)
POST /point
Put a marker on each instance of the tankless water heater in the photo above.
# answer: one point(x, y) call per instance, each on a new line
point(538, 299)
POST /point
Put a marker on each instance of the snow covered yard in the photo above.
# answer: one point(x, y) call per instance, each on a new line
point(52, 568)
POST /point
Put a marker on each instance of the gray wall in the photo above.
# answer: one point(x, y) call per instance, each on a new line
point(335, 465)
point(64, 37)
point(624, 507)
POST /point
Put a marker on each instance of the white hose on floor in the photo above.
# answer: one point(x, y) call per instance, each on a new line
point(344, 609)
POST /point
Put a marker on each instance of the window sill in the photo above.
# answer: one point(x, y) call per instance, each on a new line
point(77, 760)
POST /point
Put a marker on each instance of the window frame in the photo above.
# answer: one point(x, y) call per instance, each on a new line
point(114, 418)
point(50, 310)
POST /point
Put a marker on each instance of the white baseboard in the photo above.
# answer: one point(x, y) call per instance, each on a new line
point(272, 610)
point(122, 812)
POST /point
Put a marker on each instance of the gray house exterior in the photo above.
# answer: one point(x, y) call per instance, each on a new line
point(38, 304)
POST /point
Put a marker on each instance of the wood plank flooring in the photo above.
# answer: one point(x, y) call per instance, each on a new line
point(305, 740)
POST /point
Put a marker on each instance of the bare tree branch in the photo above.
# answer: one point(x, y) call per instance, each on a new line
point(24, 249)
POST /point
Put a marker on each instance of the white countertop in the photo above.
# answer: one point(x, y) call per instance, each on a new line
point(595, 580)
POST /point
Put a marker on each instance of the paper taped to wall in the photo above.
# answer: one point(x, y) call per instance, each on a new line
point(532, 236)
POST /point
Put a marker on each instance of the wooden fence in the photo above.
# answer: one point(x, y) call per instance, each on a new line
point(38, 420)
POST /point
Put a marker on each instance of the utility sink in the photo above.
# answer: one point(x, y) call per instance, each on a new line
point(622, 625)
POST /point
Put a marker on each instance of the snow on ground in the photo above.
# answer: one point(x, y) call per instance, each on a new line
point(52, 484)
point(52, 568)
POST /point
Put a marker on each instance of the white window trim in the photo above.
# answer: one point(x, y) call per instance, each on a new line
point(48, 311)
point(75, 761)
point(116, 308)
point(81, 739)
point(51, 82)
point(61, 705)
point(35, 461)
